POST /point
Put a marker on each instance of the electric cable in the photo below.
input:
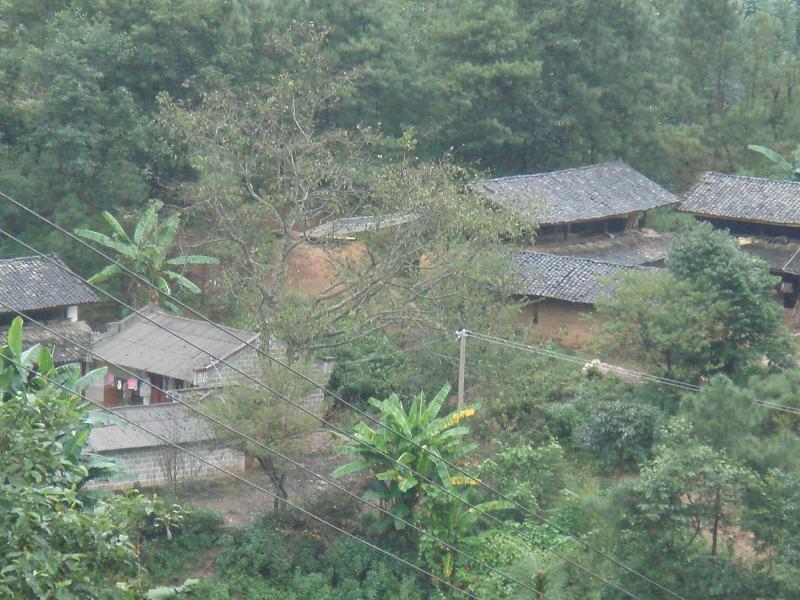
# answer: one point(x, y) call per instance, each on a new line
point(269, 449)
point(516, 504)
point(246, 481)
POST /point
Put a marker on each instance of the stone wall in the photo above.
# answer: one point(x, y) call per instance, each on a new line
point(161, 465)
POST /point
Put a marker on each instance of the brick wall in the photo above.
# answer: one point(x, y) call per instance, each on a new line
point(157, 466)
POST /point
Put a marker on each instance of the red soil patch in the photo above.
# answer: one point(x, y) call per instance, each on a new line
point(312, 268)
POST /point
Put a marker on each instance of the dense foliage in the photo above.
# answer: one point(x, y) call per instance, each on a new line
point(59, 540)
point(710, 311)
point(675, 88)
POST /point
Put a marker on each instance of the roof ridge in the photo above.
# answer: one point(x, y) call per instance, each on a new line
point(152, 306)
point(582, 259)
point(737, 176)
point(33, 256)
point(565, 170)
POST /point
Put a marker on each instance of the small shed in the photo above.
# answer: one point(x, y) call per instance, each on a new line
point(146, 460)
point(145, 343)
point(563, 291)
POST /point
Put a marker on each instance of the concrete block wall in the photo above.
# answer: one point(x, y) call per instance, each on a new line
point(246, 360)
point(150, 467)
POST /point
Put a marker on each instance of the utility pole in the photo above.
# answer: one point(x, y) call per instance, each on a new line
point(462, 366)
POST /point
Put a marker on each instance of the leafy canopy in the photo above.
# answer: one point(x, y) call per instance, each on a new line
point(710, 312)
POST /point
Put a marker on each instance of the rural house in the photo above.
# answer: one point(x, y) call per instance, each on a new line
point(589, 228)
point(46, 290)
point(144, 344)
point(763, 213)
point(563, 291)
point(608, 198)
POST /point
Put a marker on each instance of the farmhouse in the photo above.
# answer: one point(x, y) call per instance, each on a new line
point(144, 344)
point(46, 290)
point(608, 198)
point(563, 291)
point(764, 213)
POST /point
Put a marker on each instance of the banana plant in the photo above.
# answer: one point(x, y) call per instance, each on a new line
point(32, 371)
point(146, 254)
point(400, 486)
point(790, 169)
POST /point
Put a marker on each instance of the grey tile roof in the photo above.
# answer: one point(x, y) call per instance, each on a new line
point(137, 343)
point(780, 254)
point(171, 421)
point(566, 278)
point(340, 228)
point(744, 199)
point(35, 283)
point(634, 248)
point(63, 352)
point(574, 195)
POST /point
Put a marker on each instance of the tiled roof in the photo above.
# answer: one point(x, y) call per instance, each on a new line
point(566, 278)
point(170, 421)
point(63, 352)
point(341, 228)
point(137, 343)
point(575, 195)
point(35, 283)
point(745, 199)
point(634, 248)
point(781, 255)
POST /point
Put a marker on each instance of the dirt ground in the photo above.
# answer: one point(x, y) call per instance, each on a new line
point(313, 268)
point(239, 503)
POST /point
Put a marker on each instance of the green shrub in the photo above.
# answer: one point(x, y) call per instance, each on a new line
point(171, 561)
point(619, 433)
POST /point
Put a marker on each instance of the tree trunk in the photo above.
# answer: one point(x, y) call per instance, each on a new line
point(715, 530)
point(278, 481)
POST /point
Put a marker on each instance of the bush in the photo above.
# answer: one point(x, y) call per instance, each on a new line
point(528, 475)
point(288, 559)
point(377, 366)
point(171, 561)
point(619, 433)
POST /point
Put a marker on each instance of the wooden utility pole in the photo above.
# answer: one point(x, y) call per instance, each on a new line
point(462, 366)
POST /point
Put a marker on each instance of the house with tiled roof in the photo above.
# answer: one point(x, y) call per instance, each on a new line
point(145, 343)
point(763, 213)
point(746, 205)
point(46, 290)
point(562, 292)
point(572, 203)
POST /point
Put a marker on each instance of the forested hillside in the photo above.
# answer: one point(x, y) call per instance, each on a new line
point(673, 87)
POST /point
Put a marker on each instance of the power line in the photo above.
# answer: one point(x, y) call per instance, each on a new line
point(250, 483)
point(274, 452)
point(364, 414)
point(350, 436)
point(683, 385)
point(582, 361)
